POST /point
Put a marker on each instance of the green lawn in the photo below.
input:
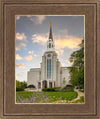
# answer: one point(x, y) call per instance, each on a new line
point(44, 97)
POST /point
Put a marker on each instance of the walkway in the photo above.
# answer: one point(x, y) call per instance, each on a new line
point(80, 94)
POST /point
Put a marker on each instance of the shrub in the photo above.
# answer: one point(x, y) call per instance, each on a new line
point(30, 86)
point(19, 89)
point(69, 86)
point(68, 89)
point(48, 89)
point(57, 88)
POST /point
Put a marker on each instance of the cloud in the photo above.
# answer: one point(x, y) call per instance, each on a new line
point(65, 41)
point(70, 42)
point(37, 56)
point(20, 36)
point(29, 58)
point(20, 66)
point(59, 51)
point(40, 39)
point(21, 41)
point(18, 17)
point(18, 57)
point(21, 74)
point(31, 52)
point(37, 19)
point(17, 75)
point(24, 73)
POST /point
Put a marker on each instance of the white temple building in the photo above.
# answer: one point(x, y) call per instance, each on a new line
point(50, 74)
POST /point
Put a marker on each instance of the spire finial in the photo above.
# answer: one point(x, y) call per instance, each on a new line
point(50, 34)
point(50, 24)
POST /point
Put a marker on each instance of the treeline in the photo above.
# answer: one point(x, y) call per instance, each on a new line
point(77, 68)
point(20, 86)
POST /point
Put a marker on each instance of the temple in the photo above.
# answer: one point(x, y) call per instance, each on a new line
point(51, 73)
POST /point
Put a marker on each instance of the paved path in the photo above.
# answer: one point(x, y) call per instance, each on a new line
point(80, 94)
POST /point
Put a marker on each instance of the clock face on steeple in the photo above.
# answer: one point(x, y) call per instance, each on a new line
point(49, 55)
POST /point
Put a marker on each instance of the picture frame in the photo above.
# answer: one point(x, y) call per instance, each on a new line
point(8, 10)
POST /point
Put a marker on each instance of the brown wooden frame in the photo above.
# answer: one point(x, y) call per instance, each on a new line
point(8, 108)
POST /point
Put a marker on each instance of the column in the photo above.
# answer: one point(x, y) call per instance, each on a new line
point(52, 84)
point(47, 84)
point(41, 84)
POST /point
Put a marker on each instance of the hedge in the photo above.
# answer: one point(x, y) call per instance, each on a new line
point(48, 89)
point(68, 89)
point(19, 89)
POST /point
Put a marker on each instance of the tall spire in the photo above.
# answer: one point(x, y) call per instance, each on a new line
point(50, 42)
point(50, 34)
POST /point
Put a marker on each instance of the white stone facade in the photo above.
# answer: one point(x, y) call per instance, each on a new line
point(50, 74)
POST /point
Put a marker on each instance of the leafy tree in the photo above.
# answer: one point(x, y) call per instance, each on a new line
point(21, 84)
point(18, 83)
point(77, 68)
point(24, 84)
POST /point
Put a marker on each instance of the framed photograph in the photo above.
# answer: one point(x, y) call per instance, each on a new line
point(49, 57)
point(50, 66)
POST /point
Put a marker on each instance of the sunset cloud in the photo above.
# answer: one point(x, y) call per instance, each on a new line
point(21, 41)
point(18, 57)
point(37, 56)
point(22, 66)
point(20, 36)
point(70, 42)
point(17, 75)
point(37, 19)
point(41, 39)
point(29, 58)
point(31, 52)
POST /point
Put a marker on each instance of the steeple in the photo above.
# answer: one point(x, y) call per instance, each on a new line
point(50, 33)
point(50, 42)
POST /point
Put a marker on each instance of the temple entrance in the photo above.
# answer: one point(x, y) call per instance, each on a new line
point(50, 84)
point(39, 85)
point(44, 84)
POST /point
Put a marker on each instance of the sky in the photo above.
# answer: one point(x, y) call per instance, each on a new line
point(32, 34)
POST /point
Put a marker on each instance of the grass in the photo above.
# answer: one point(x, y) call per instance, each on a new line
point(44, 97)
point(81, 100)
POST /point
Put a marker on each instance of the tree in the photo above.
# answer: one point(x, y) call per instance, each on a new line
point(21, 84)
point(77, 68)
